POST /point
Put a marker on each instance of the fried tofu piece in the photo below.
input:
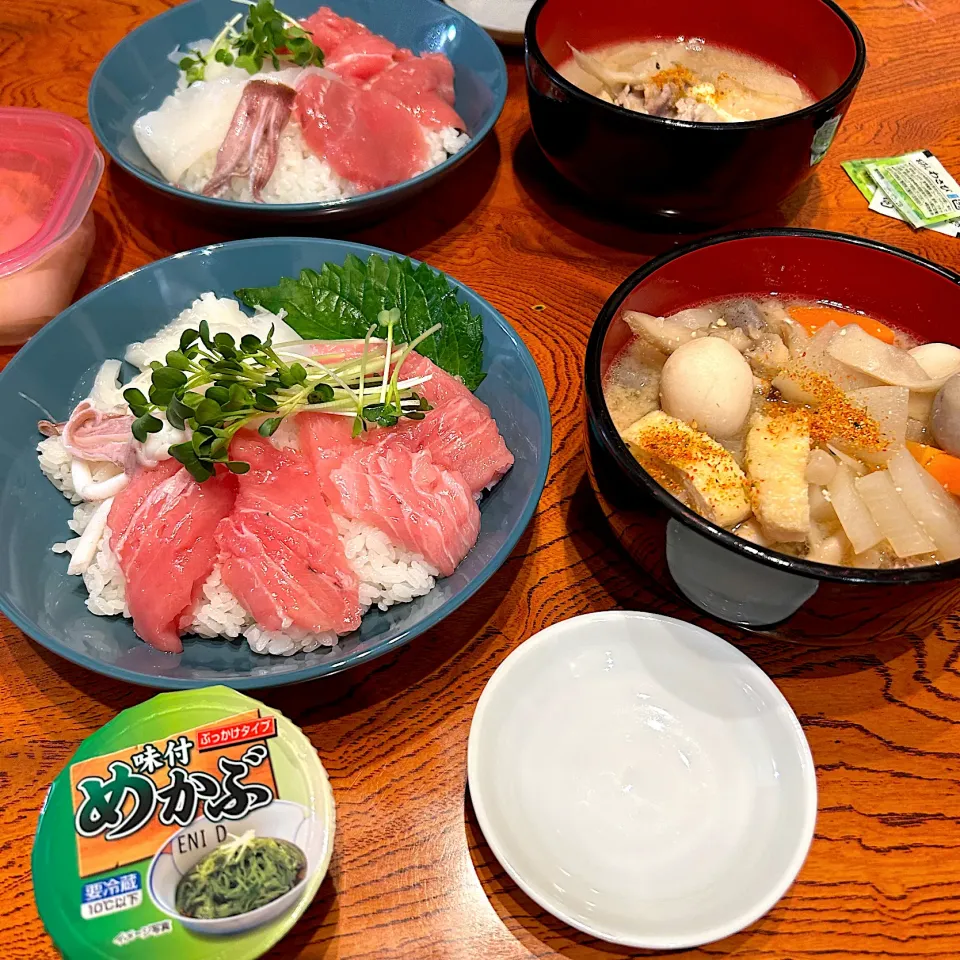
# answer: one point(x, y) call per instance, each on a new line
point(777, 451)
point(691, 465)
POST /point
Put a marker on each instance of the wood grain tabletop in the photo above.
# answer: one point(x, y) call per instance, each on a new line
point(412, 876)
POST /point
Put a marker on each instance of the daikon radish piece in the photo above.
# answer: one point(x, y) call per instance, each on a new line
point(937, 359)
point(830, 549)
point(821, 509)
point(920, 406)
point(888, 406)
point(816, 356)
point(917, 432)
point(857, 350)
point(896, 522)
point(857, 522)
point(858, 468)
point(928, 502)
point(868, 560)
point(943, 467)
point(820, 467)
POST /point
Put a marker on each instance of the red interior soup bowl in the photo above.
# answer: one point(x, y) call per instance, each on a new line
point(732, 579)
point(696, 174)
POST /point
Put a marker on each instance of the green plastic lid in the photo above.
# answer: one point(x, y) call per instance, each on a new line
point(196, 825)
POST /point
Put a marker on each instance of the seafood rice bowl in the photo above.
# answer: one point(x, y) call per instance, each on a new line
point(278, 110)
point(271, 477)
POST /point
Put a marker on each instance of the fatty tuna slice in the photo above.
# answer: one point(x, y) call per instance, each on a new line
point(162, 531)
point(280, 552)
point(368, 138)
point(405, 494)
point(462, 438)
point(324, 439)
point(459, 431)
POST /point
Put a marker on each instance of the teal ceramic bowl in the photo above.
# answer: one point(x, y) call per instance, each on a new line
point(56, 369)
point(136, 76)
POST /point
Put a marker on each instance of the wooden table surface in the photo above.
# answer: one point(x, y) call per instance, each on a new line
point(412, 876)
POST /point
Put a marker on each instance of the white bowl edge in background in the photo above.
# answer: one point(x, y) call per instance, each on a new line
point(504, 20)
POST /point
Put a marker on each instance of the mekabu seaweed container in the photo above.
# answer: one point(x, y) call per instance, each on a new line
point(199, 824)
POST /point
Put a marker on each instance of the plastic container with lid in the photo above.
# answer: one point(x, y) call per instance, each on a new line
point(49, 171)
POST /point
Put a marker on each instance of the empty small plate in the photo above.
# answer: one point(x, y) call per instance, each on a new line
point(642, 780)
point(504, 20)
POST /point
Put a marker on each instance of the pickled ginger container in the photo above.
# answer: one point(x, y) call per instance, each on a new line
point(50, 168)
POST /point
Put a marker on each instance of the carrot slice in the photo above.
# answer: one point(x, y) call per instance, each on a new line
point(943, 467)
point(814, 317)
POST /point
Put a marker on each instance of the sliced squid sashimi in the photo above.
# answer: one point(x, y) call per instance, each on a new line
point(162, 529)
point(92, 435)
point(368, 138)
point(252, 142)
point(424, 85)
point(187, 127)
point(280, 551)
point(414, 501)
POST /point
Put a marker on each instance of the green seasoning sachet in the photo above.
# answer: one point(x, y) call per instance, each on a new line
point(198, 825)
point(856, 170)
point(919, 187)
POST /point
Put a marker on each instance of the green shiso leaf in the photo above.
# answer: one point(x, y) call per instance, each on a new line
point(342, 302)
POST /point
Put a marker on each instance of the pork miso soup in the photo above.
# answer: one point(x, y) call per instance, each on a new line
point(689, 80)
point(808, 429)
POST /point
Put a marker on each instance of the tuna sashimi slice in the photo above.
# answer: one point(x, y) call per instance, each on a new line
point(280, 552)
point(415, 502)
point(329, 29)
point(369, 139)
point(361, 56)
point(460, 437)
point(324, 439)
point(162, 531)
point(459, 432)
point(424, 85)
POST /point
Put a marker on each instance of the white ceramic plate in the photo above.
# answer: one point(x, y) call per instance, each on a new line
point(642, 780)
point(504, 20)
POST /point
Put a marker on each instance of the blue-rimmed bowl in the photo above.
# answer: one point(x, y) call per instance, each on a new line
point(56, 368)
point(136, 76)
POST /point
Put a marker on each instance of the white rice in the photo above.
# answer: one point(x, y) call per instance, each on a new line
point(299, 177)
point(388, 574)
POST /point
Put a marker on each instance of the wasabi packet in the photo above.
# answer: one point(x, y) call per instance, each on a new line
point(197, 825)
point(881, 204)
point(879, 201)
point(856, 170)
point(919, 187)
